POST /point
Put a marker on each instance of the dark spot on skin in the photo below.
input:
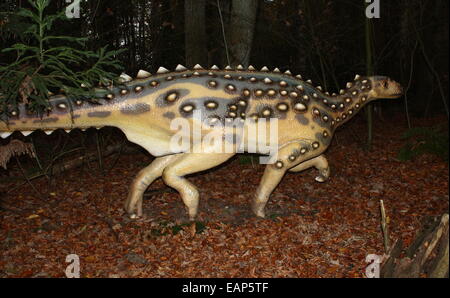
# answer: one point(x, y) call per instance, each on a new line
point(212, 84)
point(265, 111)
point(221, 109)
point(213, 120)
point(319, 119)
point(162, 101)
point(135, 109)
point(211, 104)
point(324, 140)
point(169, 115)
point(47, 120)
point(187, 109)
point(102, 114)
point(302, 119)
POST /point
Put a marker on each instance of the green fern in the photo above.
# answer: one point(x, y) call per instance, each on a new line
point(420, 140)
point(50, 64)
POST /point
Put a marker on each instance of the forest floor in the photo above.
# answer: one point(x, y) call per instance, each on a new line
point(311, 229)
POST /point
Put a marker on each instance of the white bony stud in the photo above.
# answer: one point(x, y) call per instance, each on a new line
point(26, 132)
point(142, 74)
point(125, 78)
point(180, 68)
point(162, 70)
point(5, 134)
point(198, 66)
point(214, 67)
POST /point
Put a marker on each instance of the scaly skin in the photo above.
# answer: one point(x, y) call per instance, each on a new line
point(144, 109)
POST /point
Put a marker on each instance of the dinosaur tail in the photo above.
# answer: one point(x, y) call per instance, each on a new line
point(64, 114)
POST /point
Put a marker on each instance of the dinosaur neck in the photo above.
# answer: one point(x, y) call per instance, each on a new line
point(348, 103)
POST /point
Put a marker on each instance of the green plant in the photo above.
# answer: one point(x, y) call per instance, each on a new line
point(50, 64)
point(420, 140)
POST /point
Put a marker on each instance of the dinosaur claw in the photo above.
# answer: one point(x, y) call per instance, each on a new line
point(320, 179)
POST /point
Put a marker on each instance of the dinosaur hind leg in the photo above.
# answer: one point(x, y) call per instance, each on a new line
point(190, 163)
point(144, 178)
point(320, 163)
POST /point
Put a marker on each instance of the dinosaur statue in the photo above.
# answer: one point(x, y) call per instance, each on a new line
point(146, 108)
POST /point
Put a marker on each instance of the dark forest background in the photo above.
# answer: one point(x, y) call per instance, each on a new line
point(327, 41)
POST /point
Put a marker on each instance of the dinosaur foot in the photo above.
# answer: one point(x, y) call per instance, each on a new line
point(258, 210)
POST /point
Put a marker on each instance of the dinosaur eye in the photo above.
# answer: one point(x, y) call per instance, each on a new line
point(385, 84)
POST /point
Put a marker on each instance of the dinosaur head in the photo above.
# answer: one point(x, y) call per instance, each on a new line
point(384, 87)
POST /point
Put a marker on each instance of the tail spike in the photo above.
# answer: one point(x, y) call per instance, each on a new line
point(4, 135)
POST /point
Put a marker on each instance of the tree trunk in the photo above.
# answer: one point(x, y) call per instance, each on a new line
point(195, 32)
point(242, 29)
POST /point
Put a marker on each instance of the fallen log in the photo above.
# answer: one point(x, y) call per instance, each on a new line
point(427, 256)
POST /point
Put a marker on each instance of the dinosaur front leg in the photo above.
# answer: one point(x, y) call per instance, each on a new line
point(190, 163)
point(287, 157)
point(145, 177)
point(320, 163)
